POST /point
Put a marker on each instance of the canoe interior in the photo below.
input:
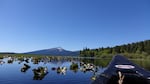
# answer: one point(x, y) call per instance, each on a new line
point(129, 79)
point(134, 75)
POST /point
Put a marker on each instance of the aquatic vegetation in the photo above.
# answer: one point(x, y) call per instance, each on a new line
point(40, 73)
point(25, 68)
point(59, 67)
point(35, 60)
point(61, 70)
point(20, 58)
point(26, 60)
point(93, 77)
point(1, 57)
point(74, 67)
point(2, 62)
point(10, 61)
point(88, 67)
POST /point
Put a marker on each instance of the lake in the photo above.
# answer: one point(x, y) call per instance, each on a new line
point(10, 71)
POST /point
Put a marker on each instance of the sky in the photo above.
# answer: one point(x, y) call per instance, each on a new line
point(28, 25)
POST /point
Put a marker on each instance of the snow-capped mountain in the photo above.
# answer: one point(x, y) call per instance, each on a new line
point(58, 51)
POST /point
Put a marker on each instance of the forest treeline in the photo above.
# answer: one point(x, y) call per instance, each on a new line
point(133, 50)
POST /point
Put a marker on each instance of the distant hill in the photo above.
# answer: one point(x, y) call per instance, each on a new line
point(132, 50)
point(55, 52)
point(7, 53)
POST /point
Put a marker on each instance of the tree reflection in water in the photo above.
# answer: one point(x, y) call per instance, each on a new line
point(63, 66)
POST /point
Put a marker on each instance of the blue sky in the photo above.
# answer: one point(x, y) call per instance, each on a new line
point(27, 25)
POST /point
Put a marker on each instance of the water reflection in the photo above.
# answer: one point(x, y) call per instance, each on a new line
point(61, 70)
point(25, 68)
point(2, 62)
point(145, 63)
point(10, 60)
point(74, 67)
point(39, 68)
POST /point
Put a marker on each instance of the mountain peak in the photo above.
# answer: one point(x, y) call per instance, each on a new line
point(59, 49)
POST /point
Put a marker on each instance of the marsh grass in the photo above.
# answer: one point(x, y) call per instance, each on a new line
point(1, 57)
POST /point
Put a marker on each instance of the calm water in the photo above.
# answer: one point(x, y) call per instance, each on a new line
point(10, 73)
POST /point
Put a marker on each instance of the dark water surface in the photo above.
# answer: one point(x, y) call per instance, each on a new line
point(10, 73)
